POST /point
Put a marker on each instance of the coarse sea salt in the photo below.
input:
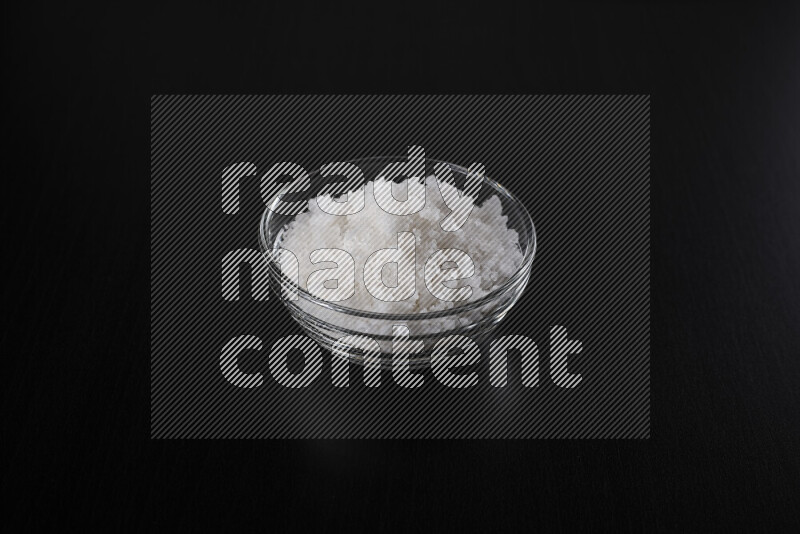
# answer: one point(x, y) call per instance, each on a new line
point(484, 237)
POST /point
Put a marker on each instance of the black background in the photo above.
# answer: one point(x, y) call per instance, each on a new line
point(725, 289)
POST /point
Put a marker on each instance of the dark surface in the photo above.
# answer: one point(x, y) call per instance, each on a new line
point(725, 261)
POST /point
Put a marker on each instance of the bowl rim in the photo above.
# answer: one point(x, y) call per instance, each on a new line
point(521, 271)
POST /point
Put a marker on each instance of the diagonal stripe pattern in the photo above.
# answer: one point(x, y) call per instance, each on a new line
point(580, 164)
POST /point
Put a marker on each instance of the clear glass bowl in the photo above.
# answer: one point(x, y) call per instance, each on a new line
point(327, 322)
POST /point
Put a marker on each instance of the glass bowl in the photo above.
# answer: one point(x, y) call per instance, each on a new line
point(328, 322)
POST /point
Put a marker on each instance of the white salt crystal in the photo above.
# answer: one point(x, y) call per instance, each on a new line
point(492, 246)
